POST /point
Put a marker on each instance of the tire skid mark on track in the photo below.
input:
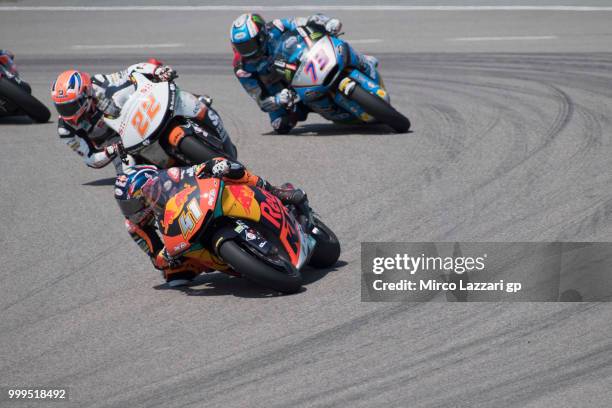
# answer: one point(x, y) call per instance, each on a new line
point(261, 362)
point(49, 285)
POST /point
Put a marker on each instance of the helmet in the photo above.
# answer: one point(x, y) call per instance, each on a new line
point(249, 35)
point(72, 94)
point(137, 191)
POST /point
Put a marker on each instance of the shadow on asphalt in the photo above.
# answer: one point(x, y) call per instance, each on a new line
point(110, 181)
point(332, 129)
point(17, 120)
point(220, 284)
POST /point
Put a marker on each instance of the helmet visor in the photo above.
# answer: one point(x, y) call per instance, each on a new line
point(131, 206)
point(72, 108)
point(248, 48)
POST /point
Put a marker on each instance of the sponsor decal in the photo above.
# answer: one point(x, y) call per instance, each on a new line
point(311, 94)
point(240, 35)
point(130, 227)
point(250, 236)
point(243, 195)
point(121, 180)
point(365, 117)
point(174, 173)
point(212, 194)
point(214, 118)
point(179, 247)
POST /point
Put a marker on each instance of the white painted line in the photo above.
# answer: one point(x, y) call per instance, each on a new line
point(307, 8)
point(365, 41)
point(510, 38)
point(123, 46)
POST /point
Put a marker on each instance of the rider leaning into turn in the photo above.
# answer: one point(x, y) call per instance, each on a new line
point(143, 190)
point(82, 102)
point(254, 41)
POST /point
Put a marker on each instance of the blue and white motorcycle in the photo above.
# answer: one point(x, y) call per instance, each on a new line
point(314, 65)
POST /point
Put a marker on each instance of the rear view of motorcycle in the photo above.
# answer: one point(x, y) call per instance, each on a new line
point(153, 130)
point(16, 95)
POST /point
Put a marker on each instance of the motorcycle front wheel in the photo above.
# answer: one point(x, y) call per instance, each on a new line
point(380, 109)
point(29, 104)
point(259, 272)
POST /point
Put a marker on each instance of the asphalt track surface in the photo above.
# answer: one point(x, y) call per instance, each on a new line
point(511, 141)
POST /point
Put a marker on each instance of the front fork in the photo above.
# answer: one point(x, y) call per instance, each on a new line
point(346, 87)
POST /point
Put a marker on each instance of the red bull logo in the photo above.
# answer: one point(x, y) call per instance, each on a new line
point(175, 205)
point(243, 195)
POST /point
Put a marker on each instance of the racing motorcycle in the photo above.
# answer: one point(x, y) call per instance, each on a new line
point(152, 132)
point(244, 230)
point(16, 95)
point(315, 66)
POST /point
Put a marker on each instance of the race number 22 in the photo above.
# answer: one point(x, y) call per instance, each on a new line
point(145, 114)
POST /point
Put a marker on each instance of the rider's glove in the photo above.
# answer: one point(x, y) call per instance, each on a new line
point(285, 98)
point(106, 105)
point(117, 149)
point(268, 104)
point(219, 168)
point(111, 150)
point(333, 26)
point(165, 73)
point(163, 260)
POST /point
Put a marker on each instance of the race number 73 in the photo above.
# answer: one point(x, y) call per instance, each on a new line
point(321, 59)
point(145, 114)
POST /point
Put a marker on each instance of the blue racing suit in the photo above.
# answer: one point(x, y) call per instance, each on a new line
point(261, 81)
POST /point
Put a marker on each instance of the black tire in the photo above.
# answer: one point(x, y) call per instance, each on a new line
point(29, 104)
point(327, 251)
point(197, 151)
point(379, 109)
point(257, 271)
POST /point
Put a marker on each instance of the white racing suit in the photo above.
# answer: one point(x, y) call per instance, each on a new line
point(92, 139)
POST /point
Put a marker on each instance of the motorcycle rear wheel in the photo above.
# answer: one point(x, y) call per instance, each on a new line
point(257, 271)
point(327, 250)
point(29, 104)
point(197, 151)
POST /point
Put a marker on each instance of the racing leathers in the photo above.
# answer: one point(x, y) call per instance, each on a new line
point(144, 226)
point(95, 141)
point(260, 80)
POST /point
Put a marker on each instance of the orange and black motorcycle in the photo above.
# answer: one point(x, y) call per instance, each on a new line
point(241, 229)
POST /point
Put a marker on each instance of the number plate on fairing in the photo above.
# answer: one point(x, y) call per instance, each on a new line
point(317, 64)
point(143, 112)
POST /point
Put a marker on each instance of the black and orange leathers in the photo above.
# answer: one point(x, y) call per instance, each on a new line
point(168, 183)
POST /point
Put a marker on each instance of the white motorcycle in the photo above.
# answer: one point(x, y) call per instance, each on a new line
point(157, 125)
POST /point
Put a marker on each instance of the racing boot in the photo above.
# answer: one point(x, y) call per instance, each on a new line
point(179, 276)
point(288, 194)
